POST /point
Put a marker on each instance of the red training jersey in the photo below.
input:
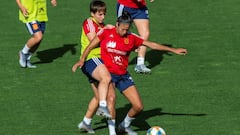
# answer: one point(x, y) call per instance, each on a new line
point(90, 25)
point(133, 3)
point(115, 50)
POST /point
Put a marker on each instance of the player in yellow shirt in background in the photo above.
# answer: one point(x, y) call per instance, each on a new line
point(34, 14)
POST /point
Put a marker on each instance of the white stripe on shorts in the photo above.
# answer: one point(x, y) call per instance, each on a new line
point(29, 26)
point(120, 10)
point(97, 61)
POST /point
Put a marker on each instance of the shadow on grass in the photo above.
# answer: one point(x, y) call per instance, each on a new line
point(140, 121)
point(49, 55)
point(153, 57)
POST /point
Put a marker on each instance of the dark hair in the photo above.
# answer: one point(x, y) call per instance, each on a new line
point(125, 18)
point(97, 6)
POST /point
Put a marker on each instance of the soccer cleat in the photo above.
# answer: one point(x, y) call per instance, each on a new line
point(23, 59)
point(103, 111)
point(83, 126)
point(30, 65)
point(127, 130)
point(142, 69)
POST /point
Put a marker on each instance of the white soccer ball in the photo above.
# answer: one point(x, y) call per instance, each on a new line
point(156, 130)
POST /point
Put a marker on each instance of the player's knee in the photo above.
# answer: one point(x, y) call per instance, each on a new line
point(38, 37)
point(95, 98)
point(106, 79)
point(138, 107)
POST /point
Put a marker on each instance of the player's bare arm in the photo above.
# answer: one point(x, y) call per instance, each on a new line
point(156, 46)
point(93, 44)
point(22, 8)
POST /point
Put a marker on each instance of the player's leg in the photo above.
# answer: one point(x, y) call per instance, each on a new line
point(133, 97)
point(111, 100)
point(102, 75)
point(25, 54)
point(126, 86)
point(85, 124)
point(141, 21)
point(42, 27)
point(35, 39)
point(143, 30)
point(111, 97)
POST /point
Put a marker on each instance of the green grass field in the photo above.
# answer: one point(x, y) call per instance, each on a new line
point(191, 95)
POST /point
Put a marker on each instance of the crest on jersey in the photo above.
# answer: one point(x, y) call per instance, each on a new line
point(126, 41)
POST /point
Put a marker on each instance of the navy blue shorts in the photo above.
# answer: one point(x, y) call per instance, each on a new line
point(89, 66)
point(35, 26)
point(136, 13)
point(122, 82)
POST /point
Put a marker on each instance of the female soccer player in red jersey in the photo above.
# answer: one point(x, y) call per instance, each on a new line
point(116, 45)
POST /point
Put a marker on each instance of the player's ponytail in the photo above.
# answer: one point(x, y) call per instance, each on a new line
point(125, 18)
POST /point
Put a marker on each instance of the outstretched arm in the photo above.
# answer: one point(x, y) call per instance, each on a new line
point(156, 46)
point(93, 44)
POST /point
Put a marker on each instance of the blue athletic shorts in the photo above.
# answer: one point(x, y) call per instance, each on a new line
point(89, 66)
point(35, 26)
point(136, 13)
point(122, 82)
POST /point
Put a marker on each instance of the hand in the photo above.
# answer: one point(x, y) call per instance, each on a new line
point(151, 0)
point(180, 51)
point(78, 64)
point(54, 3)
point(24, 12)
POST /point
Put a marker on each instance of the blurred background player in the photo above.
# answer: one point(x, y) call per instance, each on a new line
point(34, 14)
point(139, 13)
point(96, 71)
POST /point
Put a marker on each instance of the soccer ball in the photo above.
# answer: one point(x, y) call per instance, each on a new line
point(156, 130)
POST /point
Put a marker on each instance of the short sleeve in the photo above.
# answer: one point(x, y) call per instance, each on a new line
point(88, 26)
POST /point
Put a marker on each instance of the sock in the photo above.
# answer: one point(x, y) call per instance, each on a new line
point(140, 61)
point(25, 49)
point(128, 120)
point(87, 120)
point(103, 103)
point(111, 127)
